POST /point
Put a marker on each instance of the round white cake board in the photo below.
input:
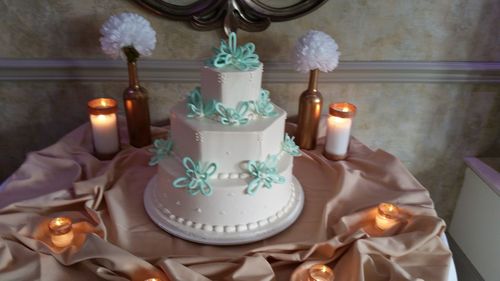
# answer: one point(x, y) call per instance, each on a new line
point(214, 238)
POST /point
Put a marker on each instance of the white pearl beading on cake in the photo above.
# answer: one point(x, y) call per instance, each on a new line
point(221, 78)
point(225, 175)
point(232, 176)
point(228, 228)
point(198, 137)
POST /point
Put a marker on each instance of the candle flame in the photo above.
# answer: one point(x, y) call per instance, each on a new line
point(60, 225)
point(321, 272)
point(388, 210)
point(59, 221)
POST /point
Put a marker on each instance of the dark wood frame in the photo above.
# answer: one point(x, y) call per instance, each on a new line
point(249, 15)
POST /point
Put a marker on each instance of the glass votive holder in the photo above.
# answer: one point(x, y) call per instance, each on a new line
point(320, 272)
point(103, 120)
point(387, 216)
point(61, 231)
point(338, 130)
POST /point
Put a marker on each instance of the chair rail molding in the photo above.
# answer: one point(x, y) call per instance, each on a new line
point(275, 72)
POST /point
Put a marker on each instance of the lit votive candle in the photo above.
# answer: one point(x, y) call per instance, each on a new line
point(320, 272)
point(153, 279)
point(61, 231)
point(104, 124)
point(387, 216)
point(339, 130)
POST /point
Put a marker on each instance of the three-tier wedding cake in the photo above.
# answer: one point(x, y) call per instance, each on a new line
point(225, 169)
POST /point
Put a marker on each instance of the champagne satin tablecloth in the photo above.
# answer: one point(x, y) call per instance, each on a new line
point(116, 240)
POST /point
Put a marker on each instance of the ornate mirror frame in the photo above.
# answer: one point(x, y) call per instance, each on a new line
point(249, 15)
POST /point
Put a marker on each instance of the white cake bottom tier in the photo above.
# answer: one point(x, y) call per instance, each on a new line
point(242, 235)
point(230, 208)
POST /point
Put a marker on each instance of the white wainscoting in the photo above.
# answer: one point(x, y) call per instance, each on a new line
point(275, 72)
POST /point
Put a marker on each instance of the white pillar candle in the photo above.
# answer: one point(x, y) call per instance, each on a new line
point(387, 216)
point(61, 231)
point(104, 127)
point(339, 130)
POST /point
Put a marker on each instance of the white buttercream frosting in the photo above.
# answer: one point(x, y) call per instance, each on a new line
point(229, 208)
point(241, 227)
point(230, 86)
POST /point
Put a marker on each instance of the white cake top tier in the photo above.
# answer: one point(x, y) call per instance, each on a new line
point(229, 85)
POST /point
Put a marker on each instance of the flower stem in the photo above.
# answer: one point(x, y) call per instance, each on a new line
point(131, 53)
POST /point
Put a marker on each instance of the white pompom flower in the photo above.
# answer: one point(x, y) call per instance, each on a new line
point(316, 50)
point(125, 31)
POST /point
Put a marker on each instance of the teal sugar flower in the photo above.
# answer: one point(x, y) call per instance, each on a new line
point(233, 117)
point(288, 145)
point(196, 179)
point(264, 174)
point(229, 54)
point(263, 105)
point(162, 148)
point(196, 106)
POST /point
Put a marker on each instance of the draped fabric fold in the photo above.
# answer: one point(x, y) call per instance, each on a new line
point(116, 240)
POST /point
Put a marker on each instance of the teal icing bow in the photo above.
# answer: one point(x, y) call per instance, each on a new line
point(196, 106)
point(161, 149)
point(264, 174)
point(288, 145)
point(263, 105)
point(241, 57)
point(196, 179)
point(230, 116)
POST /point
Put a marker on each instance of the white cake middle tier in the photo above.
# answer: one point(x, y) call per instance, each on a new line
point(230, 147)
